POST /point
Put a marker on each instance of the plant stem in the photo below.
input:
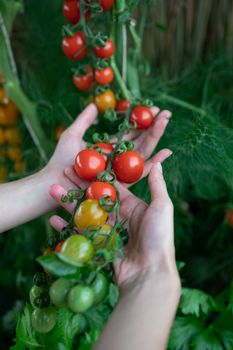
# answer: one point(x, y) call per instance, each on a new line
point(28, 108)
point(181, 103)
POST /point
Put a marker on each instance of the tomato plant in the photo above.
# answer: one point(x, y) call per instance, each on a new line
point(100, 189)
point(128, 166)
point(100, 288)
point(104, 76)
point(102, 238)
point(59, 290)
point(142, 117)
point(71, 11)
point(107, 4)
point(34, 293)
point(78, 248)
point(88, 164)
point(122, 105)
point(44, 320)
point(89, 213)
point(74, 46)
point(84, 82)
point(105, 101)
point(105, 51)
point(81, 298)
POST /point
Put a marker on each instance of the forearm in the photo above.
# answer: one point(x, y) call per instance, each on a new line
point(25, 199)
point(144, 315)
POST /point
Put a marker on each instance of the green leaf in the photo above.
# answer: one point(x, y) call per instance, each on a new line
point(98, 316)
point(207, 340)
point(194, 301)
point(227, 338)
point(89, 339)
point(52, 263)
point(25, 335)
point(183, 331)
point(113, 295)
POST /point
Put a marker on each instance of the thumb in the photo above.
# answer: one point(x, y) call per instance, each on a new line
point(84, 120)
point(157, 184)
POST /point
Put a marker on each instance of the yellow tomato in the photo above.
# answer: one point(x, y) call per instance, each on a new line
point(19, 166)
point(13, 136)
point(14, 153)
point(101, 239)
point(89, 213)
point(105, 101)
point(2, 136)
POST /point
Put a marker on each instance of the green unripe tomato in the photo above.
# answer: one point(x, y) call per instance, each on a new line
point(59, 290)
point(78, 248)
point(80, 298)
point(100, 288)
point(44, 320)
point(34, 293)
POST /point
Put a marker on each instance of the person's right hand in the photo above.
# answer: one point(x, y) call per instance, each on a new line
point(151, 237)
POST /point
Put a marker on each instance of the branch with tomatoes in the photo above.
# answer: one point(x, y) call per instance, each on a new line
point(78, 261)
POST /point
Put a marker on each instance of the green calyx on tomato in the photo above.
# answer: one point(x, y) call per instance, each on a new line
point(78, 248)
point(44, 320)
point(59, 290)
point(80, 298)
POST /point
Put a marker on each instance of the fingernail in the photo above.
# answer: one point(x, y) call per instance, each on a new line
point(159, 167)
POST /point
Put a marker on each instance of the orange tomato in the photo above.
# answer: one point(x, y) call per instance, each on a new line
point(14, 153)
point(12, 113)
point(3, 173)
point(2, 94)
point(2, 136)
point(19, 166)
point(58, 247)
point(3, 116)
point(12, 136)
point(105, 101)
point(89, 213)
point(59, 131)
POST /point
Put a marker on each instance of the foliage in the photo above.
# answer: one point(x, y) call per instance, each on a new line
point(199, 177)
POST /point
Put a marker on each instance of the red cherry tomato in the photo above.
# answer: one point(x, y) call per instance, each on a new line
point(88, 164)
point(71, 11)
point(84, 82)
point(128, 166)
point(142, 116)
point(105, 148)
point(104, 76)
point(74, 46)
point(100, 189)
point(105, 51)
point(122, 105)
point(106, 4)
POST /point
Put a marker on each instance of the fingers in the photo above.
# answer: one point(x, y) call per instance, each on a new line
point(56, 192)
point(157, 184)
point(158, 157)
point(71, 175)
point(148, 140)
point(83, 121)
point(57, 223)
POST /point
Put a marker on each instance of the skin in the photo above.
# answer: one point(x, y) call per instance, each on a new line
point(147, 275)
point(28, 198)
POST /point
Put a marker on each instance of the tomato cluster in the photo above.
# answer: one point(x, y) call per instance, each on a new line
point(94, 236)
point(10, 138)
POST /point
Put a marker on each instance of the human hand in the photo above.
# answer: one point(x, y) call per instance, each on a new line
point(151, 241)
